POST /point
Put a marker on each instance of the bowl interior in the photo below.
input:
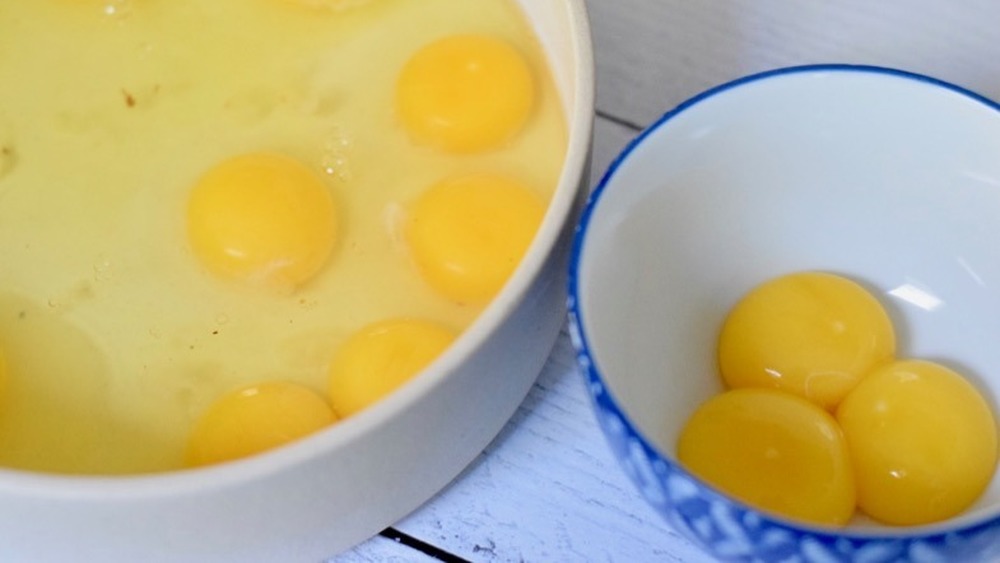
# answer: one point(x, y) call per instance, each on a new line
point(340, 486)
point(888, 178)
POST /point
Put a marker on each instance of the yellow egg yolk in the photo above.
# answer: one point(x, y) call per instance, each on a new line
point(264, 219)
point(465, 93)
point(3, 374)
point(773, 450)
point(467, 235)
point(380, 357)
point(255, 419)
point(811, 333)
point(923, 441)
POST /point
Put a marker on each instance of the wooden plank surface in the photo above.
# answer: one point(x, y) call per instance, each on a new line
point(547, 489)
point(382, 550)
point(653, 54)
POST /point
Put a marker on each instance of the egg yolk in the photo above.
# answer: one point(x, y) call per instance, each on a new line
point(465, 93)
point(380, 357)
point(773, 450)
point(811, 333)
point(923, 442)
point(264, 219)
point(254, 419)
point(467, 235)
point(3, 374)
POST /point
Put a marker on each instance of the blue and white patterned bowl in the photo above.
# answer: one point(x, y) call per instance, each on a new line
point(888, 177)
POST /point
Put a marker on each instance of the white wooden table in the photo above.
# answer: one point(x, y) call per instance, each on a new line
point(547, 488)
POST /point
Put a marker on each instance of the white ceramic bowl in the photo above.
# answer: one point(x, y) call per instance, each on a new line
point(314, 498)
point(889, 178)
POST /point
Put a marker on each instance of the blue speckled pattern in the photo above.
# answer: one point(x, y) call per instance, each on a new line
point(726, 529)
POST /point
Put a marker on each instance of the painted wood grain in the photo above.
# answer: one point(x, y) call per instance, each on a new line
point(653, 54)
point(547, 489)
point(383, 550)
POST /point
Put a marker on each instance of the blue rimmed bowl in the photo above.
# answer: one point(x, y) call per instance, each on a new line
point(888, 177)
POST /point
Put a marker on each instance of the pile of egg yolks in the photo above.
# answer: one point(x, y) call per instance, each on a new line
point(380, 357)
point(156, 318)
point(369, 365)
point(256, 418)
point(894, 422)
point(264, 218)
point(465, 93)
point(467, 234)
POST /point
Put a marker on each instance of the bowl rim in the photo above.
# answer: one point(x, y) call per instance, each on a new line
point(596, 382)
point(568, 190)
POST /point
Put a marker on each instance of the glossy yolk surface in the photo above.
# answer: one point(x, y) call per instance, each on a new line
point(774, 451)
point(264, 219)
point(468, 234)
point(255, 419)
point(811, 333)
point(465, 93)
point(923, 441)
point(381, 357)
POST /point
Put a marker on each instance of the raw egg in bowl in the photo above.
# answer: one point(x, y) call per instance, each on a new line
point(782, 295)
point(275, 272)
